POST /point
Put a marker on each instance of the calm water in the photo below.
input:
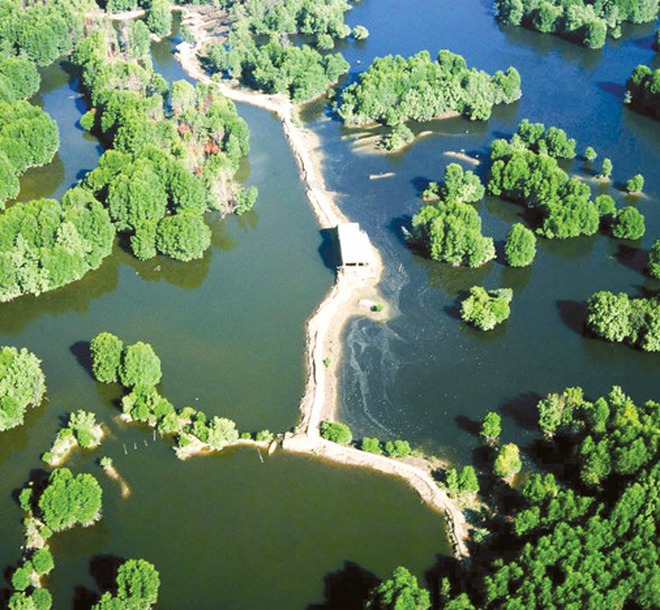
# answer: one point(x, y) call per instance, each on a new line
point(228, 531)
point(425, 375)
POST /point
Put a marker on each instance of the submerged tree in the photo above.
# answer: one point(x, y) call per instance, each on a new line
point(486, 309)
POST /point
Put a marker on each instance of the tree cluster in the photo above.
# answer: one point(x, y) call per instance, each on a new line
point(587, 22)
point(526, 170)
point(22, 385)
point(395, 90)
point(45, 244)
point(70, 500)
point(176, 151)
point(138, 583)
point(619, 318)
point(28, 138)
point(485, 309)
point(42, 31)
point(643, 91)
point(451, 232)
point(399, 592)
point(82, 429)
point(137, 368)
point(336, 432)
point(397, 448)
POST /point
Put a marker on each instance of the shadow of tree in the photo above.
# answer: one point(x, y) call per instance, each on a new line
point(347, 588)
point(573, 314)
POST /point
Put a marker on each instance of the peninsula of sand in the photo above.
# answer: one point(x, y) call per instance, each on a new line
point(354, 293)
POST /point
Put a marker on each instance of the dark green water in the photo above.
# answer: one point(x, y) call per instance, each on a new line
point(227, 531)
point(425, 375)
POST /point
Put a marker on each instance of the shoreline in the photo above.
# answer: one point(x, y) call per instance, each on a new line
point(345, 300)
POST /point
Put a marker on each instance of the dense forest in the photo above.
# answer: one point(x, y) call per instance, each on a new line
point(260, 51)
point(395, 90)
point(581, 531)
point(587, 22)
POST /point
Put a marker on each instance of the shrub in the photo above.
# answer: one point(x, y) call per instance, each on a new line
point(654, 259)
point(399, 136)
point(397, 448)
point(520, 246)
point(635, 184)
point(370, 445)
point(265, 435)
point(42, 561)
point(106, 350)
point(628, 224)
point(360, 32)
point(508, 461)
point(140, 366)
point(336, 432)
point(486, 309)
point(590, 154)
point(20, 579)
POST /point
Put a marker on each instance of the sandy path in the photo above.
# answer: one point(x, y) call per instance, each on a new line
point(323, 346)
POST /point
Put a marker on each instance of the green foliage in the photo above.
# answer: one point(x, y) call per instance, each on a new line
point(618, 318)
point(360, 32)
point(336, 432)
point(88, 119)
point(399, 136)
point(397, 448)
point(19, 79)
point(644, 91)
point(138, 583)
point(264, 436)
point(69, 500)
point(556, 411)
point(635, 184)
point(106, 350)
point(370, 445)
point(28, 138)
point(22, 385)
point(299, 72)
point(464, 483)
point(83, 424)
point(451, 232)
point(628, 224)
point(221, 432)
point(20, 579)
point(458, 185)
point(140, 366)
point(246, 199)
point(394, 90)
point(106, 462)
point(590, 154)
point(525, 170)
point(159, 17)
point(25, 498)
point(42, 561)
point(143, 241)
point(508, 462)
point(485, 309)
point(520, 246)
point(606, 168)
point(582, 21)
point(42, 599)
point(606, 206)
point(45, 245)
point(184, 236)
point(399, 592)
point(654, 259)
point(491, 427)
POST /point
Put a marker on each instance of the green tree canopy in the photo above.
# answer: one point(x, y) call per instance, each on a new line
point(22, 385)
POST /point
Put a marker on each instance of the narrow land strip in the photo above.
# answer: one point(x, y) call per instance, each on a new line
point(342, 303)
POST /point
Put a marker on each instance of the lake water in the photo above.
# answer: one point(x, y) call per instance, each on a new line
point(230, 531)
point(226, 531)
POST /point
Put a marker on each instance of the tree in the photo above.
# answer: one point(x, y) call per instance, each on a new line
point(399, 592)
point(70, 500)
point(654, 259)
point(606, 168)
point(370, 445)
point(590, 154)
point(491, 428)
point(336, 432)
point(22, 385)
point(42, 561)
point(520, 246)
point(159, 17)
point(508, 462)
point(106, 351)
point(184, 236)
point(397, 448)
point(608, 315)
point(467, 481)
point(635, 184)
point(138, 583)
point(221, 431)
point(486, 309)
point(628, 224)
point(140, 366)
point(360, 32)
